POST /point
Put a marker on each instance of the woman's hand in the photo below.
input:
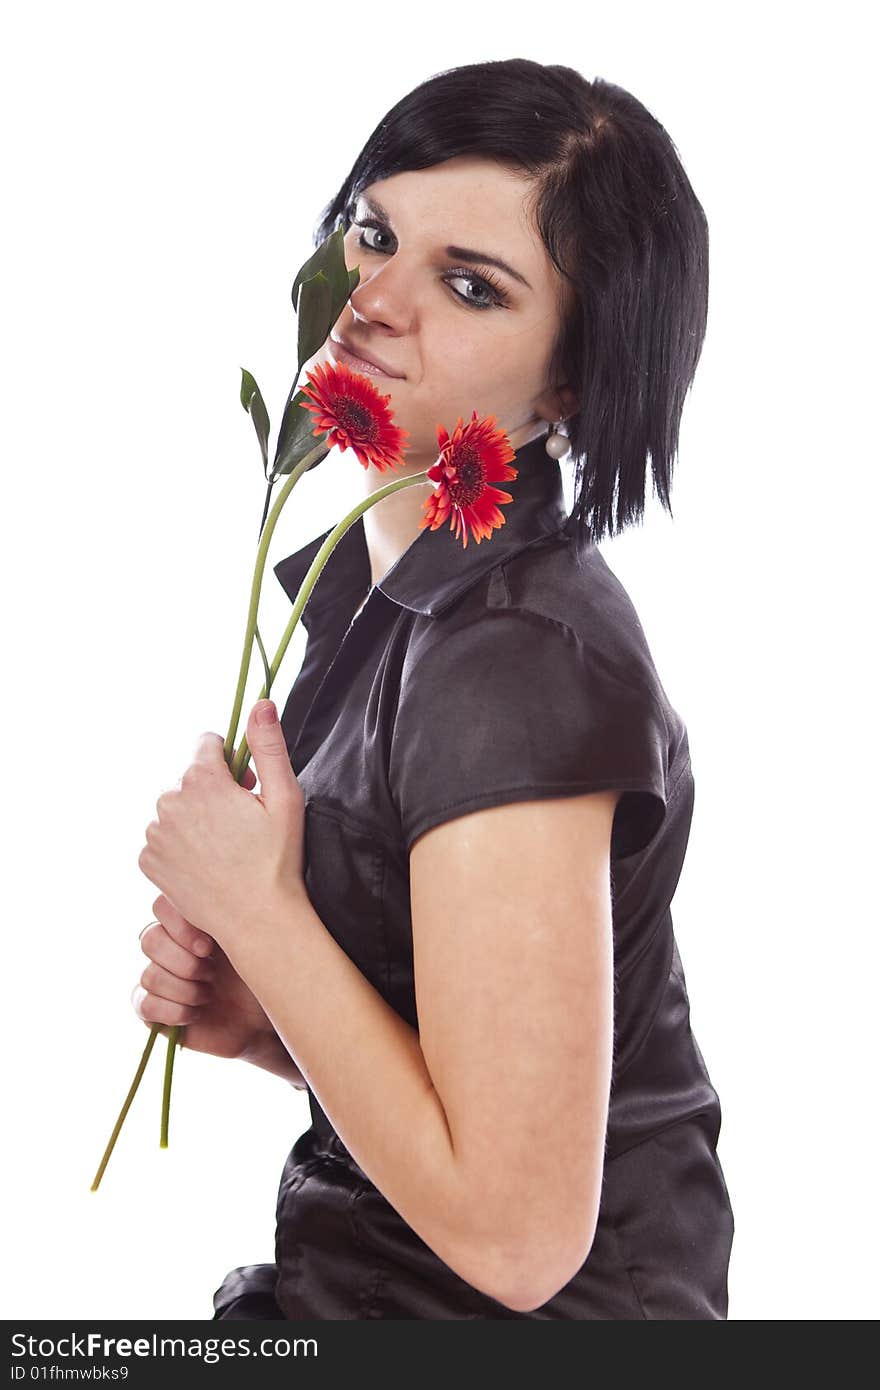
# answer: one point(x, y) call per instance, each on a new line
point(181, 987)
point(229, 860)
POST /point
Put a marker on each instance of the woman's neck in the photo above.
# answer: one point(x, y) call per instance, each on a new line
point(391, 526)
point(394, 523)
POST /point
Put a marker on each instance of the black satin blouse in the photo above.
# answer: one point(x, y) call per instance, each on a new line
point(505, 671)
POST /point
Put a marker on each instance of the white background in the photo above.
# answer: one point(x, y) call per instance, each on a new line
point(163, 169)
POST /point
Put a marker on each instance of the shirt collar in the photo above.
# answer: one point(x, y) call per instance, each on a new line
point(436, 569)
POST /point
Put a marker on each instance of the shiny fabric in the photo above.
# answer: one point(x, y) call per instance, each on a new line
point(512, 670)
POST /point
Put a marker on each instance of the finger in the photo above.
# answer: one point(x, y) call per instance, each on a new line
point(152, 1009)
point(249, 779)
point(165, 951)
point(159, 981)
point(180, 930)
point(208, 751)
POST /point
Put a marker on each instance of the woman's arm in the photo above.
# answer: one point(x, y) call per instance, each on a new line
point(271, 1054)
point(513, 957)
point(486, 1129)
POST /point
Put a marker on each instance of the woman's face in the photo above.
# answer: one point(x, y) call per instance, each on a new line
point(459, 332)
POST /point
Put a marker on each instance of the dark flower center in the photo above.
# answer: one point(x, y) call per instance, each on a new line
point(355, 419)
point(470, 480)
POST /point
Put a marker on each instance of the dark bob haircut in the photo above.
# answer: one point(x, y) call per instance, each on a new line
point(624, 229)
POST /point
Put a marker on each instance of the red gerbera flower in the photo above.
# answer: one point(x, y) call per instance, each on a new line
point(477, 454)
point(348, 405)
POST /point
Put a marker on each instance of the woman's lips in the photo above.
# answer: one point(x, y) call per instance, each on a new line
point(357, 364)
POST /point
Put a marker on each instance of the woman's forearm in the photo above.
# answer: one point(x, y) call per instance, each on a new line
point(365, 1065)
point(271, 1054)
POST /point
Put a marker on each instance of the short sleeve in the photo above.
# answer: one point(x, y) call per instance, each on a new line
point(514, 706)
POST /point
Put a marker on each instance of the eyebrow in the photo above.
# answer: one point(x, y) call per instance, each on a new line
point(461, 253)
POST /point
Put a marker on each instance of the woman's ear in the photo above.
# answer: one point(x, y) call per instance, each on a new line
point(557, 404)
point(568, 401)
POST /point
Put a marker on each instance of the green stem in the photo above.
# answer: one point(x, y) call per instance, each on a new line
point(238, 760)
point(266, 528)
point(242, 756)
point(173, 1035)
point(154, 1033)
point(256, 584)
point(266, 507)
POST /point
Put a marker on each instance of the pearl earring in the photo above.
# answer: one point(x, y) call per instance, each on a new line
point(556, 442)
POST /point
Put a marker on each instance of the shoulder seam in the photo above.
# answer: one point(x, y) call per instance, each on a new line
point(566, 628)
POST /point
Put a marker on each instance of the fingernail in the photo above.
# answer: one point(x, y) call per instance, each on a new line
point(267, 712)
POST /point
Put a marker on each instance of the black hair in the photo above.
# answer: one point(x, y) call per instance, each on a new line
point(622, 226)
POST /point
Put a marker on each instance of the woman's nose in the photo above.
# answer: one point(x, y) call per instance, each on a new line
point(385, 295)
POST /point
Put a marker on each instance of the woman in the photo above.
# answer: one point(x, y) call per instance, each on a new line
point(477, 972)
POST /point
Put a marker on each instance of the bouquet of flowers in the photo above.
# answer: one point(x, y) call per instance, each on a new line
point(340, 408)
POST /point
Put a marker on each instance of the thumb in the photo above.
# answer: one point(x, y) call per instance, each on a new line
point(271, 758)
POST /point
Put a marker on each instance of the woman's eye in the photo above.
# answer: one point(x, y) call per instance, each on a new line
point(474, 283)
point(368, 227)
point(490, 294)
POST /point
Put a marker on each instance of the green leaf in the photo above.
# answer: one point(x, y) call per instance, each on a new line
point(329, 254)
point(252, 399)
point(337, 273)
point(323, 287)
point(313, 320)
point(342, 281)
point(248, 387)
point(329, 261)
point(341, 292)
point(295, 437)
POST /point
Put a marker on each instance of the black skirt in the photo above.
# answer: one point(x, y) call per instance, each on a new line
point(248, 1292)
